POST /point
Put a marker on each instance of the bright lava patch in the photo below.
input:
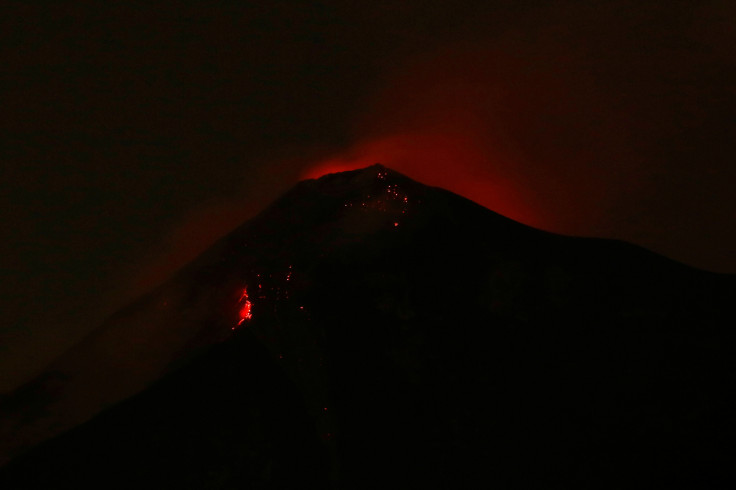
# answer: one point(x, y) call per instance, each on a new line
point(244, 313)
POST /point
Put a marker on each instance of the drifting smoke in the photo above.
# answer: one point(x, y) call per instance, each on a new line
point(596, 138)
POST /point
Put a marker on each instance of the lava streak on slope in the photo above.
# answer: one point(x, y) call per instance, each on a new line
point(245, 307)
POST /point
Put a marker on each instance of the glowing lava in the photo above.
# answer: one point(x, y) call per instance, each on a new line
point(461, 163)
point(245, 313)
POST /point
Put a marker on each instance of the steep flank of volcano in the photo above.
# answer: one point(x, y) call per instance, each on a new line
point(367, 331)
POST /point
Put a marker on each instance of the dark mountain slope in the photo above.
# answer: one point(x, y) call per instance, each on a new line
point(230, 418)
point(404, 337)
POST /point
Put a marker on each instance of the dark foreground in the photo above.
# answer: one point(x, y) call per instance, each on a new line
point(412, 339)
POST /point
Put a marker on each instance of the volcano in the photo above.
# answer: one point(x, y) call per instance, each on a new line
point(367, 331)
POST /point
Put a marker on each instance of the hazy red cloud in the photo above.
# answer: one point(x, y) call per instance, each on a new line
point(596, 138)
point(456, 162)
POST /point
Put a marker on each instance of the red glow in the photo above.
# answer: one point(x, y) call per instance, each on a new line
point(245, 309)
point(449, 160)
point(451, 120)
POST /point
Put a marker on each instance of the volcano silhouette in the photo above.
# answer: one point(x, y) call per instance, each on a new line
point(367, 331)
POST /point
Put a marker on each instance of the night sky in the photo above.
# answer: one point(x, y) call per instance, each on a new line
point(137, 133)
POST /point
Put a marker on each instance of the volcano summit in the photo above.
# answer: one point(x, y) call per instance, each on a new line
point(367, 331)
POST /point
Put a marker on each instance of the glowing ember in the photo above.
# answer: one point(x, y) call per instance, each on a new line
point(394, 200)
point(245, 313)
